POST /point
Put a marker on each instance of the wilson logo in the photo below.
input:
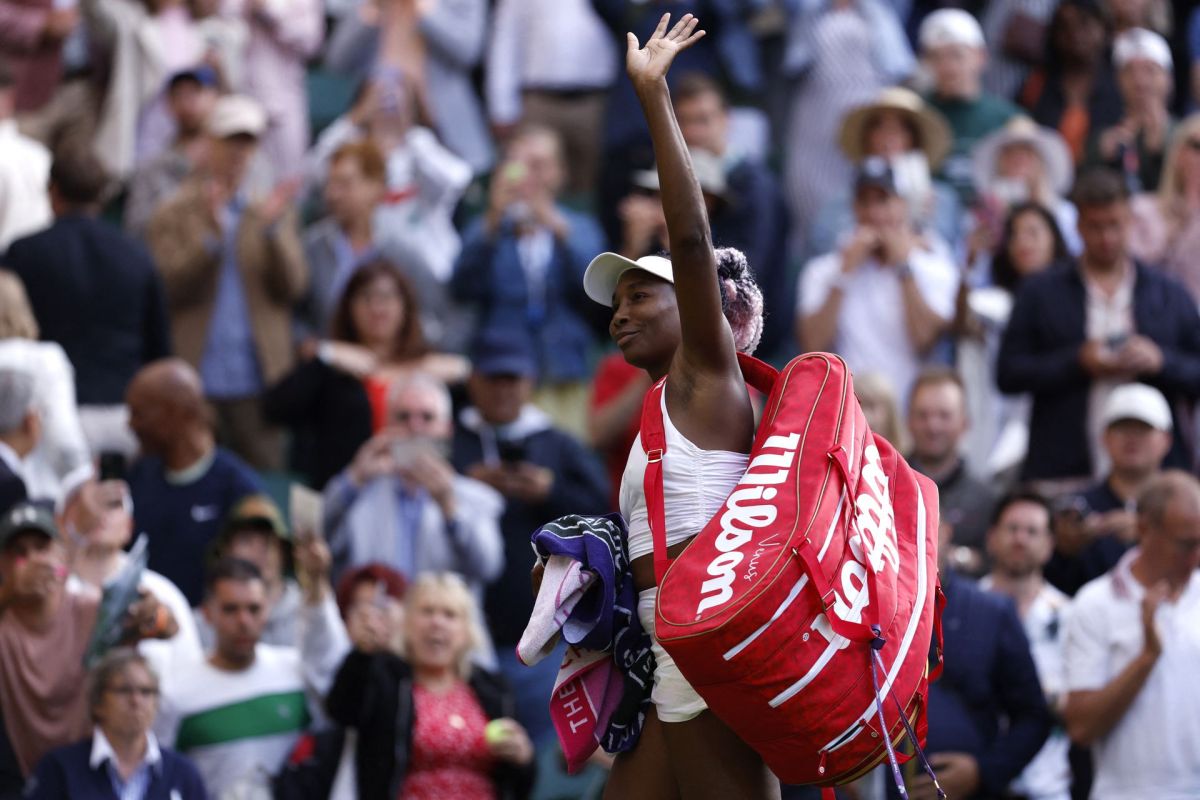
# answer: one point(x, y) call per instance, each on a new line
point(748, 509)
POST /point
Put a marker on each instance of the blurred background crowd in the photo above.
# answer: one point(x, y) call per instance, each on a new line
point(247, 245)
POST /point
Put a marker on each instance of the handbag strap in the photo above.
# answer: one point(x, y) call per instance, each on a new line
point(757, 374)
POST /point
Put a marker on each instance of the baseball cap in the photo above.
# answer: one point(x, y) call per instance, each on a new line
point(600, 279)
point(875, 173)
point(503, 351)
point(236, 114)
point(950, 26)
point(256, 511)
point(1141, 43)
point(201, 74)
point(1139, 402)
point(27, 516)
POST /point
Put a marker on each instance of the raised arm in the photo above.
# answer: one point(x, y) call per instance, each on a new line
point(707, 344)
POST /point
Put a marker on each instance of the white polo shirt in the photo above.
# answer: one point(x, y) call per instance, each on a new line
point(1154, 751)
point(871, 333)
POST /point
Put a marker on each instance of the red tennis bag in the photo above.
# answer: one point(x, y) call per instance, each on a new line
point(803, 612)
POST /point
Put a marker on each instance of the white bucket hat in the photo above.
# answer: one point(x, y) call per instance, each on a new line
point(1056, 155)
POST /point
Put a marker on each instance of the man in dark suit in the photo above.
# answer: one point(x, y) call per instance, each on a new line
point(95, 292)
point(20, 429)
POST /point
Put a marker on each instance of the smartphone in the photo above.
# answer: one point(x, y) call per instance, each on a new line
point(112, 466)
point(404, 452)
point(1116, 341)
point(512, 452)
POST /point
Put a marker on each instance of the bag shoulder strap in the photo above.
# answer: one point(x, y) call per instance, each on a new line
point(757, 374)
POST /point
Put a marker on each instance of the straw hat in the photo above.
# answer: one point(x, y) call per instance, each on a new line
point(933, 133)
point(1056, 155)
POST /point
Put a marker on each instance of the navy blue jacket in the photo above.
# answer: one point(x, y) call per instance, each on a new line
point(989, 702)
point(97, 293)
point(1039, 353)
point(12, 488)
point(64, 774)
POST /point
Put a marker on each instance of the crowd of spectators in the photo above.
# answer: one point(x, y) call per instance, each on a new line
point(248, 245)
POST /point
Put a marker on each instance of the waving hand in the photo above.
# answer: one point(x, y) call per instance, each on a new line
point(650, 63)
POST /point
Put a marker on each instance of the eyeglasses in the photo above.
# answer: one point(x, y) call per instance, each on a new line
point(144, 692)
point(404, 417)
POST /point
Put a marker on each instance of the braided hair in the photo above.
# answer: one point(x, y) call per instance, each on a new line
point(741, 299)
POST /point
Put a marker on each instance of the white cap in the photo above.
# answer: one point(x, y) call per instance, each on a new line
point(1141, 43)
point(950, 26)
point(600, 280)
point(708, 168)
point(1140, 402)
point(236, 114)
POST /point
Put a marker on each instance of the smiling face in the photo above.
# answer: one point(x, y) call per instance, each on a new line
point(645, 321)
point(1031, 246)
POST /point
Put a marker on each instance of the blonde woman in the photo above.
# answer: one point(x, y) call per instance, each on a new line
point(430, 723)
point(1167, 229)
point(62, 448)
point(878, 400)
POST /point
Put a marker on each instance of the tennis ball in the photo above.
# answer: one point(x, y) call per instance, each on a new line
point(495, 732)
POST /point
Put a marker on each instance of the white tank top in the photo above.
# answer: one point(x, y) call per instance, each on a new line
point(696, 484)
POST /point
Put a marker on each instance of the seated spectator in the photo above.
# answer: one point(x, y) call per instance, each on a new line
point(97, 516)
point(45, 632)
point(400, 502)
point(122, 757)
point(233, 267)
point(898, 126)
point(191, 95)
point(425, 181)
point(24, 170)
point(97, 293)
point(1167, 223)
point(1074, 91)
point(20, 432)
point(1131, 647)
point(953, 48)
point(334, 400)
point(880, 407)
point(987, 714)
point(1136, 145)
point(614, 416)
point(884, 299)
point(184, 485)
point(238, 711)
point(1019, 544)
point(1095, 528)
point(61, 448)
point(255, 532)
point(448, 719)
point(1076, 334)
point(522, 268)
point(937, 426)
point(543, 473)
point(1023, 163)
point(1030, 242)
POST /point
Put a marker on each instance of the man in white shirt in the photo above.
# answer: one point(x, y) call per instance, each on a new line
point(885, 298)
point(1019, 544)
point(24, 171)
point(1132, 646)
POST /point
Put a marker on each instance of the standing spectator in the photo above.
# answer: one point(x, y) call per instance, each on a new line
point(183, 486)
point(1019, 544)
point(1136, 145)
point(615, 415)
point(24, 168)
point(283, 36)
point(1076, 334)
point(233, 268)
point(1131, 648)
point(61, 449)
point(1075, 91)
point(937, 425)
point(550, 62)
point(842, 54)
point(95, 292)
point(1167, 224)
point(1095, 528)
point(191, 95)
point(522, 268)
point(509, 444)
point(953, 48)
point(335, 400)
point(1015, 31)
point(884, 299)
point(20, 430)
point(122, 758)
point(239, 710)
point(401, 503)
point(421, 719)
point(33, 36)
point(987, 714)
